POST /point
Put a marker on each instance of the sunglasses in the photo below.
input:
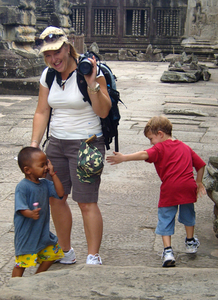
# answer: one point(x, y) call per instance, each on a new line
point(52, 37)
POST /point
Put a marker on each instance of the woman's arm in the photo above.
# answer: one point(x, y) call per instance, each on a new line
point(41, 116)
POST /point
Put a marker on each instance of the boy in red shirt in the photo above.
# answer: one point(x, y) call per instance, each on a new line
point(174, 162)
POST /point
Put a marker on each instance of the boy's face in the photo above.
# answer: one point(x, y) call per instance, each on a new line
point(154, 138)
point(39, 166)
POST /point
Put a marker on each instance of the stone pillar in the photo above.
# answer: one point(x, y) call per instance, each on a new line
point(20, 22)
point(57, 13)
point(18, 59)
point(211, 184)
point(53, 12)
point(201, 30)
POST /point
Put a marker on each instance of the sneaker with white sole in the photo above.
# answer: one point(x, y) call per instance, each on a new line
point(168, 258)
point(69, 258)
point(94, 259)
point(192, 247)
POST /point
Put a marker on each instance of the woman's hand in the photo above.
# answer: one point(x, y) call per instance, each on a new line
point(91, 78)
point(101, 102)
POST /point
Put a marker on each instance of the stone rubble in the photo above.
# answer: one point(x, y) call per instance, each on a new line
point(130, 250)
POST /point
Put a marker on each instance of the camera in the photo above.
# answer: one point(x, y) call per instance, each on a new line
point(85, 66)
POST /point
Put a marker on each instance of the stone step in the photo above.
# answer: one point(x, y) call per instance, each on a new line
point(106, 282)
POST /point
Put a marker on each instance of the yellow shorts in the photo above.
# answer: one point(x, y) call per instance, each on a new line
point(50, 253)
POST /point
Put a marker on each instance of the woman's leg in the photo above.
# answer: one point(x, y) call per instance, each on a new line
point(18, 272)
point(62, 218)
point(93, 226)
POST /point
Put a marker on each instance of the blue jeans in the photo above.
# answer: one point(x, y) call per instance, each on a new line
point(166, 218)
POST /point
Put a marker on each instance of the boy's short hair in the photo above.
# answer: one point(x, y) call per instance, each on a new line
point(25, 156)
point(158, 123)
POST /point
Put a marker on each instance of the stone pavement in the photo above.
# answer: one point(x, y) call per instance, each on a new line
point(128, 199)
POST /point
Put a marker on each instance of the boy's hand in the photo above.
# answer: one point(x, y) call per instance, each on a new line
point(35, 214)
point(50, 168)
point(115, 159)
point(200, 189)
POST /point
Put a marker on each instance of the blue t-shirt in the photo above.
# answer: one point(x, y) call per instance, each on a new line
point(31, 236)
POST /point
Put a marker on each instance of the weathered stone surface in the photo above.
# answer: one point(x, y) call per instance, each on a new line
point(128, 201)
point(13, 65)
point(111, 56)
point(105, 282)
point(12, 15)
point(201, 27)
point(211, 185)
point(122, 54)
point(94, 47)
point(173, 76)
point(185, 111)
point(189, 68)
point(25, 86)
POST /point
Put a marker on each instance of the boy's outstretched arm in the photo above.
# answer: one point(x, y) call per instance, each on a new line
point(119, 157)
point(200, 187)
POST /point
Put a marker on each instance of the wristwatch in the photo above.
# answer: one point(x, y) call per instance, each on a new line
point(95, 89)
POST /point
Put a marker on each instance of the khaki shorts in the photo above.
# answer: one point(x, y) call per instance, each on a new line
point(63, 156)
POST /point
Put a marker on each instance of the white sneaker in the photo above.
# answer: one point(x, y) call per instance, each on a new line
point(69, 258)
point(168, 258)
point(94, 259)
point(192, 247)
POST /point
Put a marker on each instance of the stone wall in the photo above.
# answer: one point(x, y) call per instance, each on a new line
point(21, 21)
point(201, 30)
point(211, 185)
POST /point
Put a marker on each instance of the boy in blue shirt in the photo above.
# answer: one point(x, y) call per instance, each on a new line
point(34, 243)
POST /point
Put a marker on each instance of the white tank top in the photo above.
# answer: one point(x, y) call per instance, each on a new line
point(72, 118)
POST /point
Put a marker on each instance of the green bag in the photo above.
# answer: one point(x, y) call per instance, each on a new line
point(90, 162)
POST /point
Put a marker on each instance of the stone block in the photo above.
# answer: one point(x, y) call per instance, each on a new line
point(111, 56)
point(27, 86)
point(171, 76)
point(13, 65)
point(122, 54)
point(10, 15)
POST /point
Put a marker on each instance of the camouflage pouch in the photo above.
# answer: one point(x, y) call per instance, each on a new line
point(90, 162)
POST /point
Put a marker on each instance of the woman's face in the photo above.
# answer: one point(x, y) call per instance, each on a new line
point(58, 59)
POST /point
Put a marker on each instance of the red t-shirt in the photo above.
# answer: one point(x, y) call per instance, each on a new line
point(174, 162)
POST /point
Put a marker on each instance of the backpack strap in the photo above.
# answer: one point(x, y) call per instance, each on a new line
point(50, 77)
point(82, 85)
point(49, 80)
point(105, 123)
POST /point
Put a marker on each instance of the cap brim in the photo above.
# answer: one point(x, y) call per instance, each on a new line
point(86, 177)
point(53, 45)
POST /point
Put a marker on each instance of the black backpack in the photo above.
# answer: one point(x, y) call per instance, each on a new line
point(111, 122)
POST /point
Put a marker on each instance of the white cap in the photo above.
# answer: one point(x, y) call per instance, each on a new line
point(55, 45)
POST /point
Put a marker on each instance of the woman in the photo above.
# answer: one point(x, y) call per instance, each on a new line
point(73, 120)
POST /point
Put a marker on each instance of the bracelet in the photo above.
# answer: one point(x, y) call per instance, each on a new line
point(92, 93)
point(54, 174)
point(34, 141)
point(94, 90)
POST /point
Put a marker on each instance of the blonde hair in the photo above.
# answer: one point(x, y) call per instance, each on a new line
point(72, 53)
point(158, 123)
